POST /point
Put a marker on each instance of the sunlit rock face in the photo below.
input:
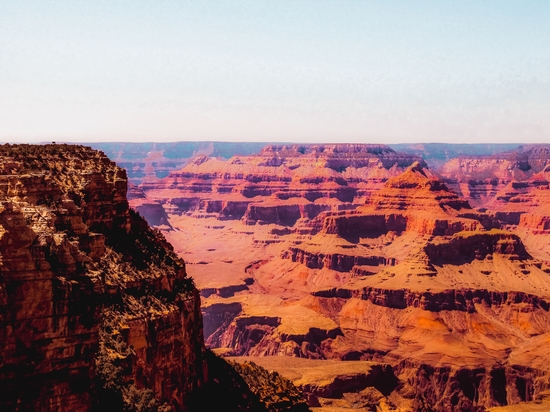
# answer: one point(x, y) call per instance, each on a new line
point(280, 184)
point(481, 179)
point(335, 253)
point(96, 310)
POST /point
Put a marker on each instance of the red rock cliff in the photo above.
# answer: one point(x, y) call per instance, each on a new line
point(281, 184)
point(96, 309)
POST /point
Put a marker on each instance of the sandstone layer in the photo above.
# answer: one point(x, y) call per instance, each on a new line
point(480, 178)
point(280, 185)
point(361, 254)
point(149, 162)
point(96, 310)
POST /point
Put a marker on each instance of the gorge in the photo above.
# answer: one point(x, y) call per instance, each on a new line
point(358, 253)
point(362, 277)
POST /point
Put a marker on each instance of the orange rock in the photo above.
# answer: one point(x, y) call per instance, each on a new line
point(87, 288)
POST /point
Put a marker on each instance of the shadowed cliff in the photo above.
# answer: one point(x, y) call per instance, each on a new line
point(96, 310)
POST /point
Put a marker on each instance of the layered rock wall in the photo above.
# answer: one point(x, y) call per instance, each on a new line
point(335, 261)
point(466, 246)
point(470, 389)
point(94, 305)
point(294, 180)
point(482, 178)
point(452, 299)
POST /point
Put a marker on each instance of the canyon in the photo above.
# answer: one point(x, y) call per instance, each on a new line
point(96, 308)
point(97, 311)
point(325, 276)
point(434, 269)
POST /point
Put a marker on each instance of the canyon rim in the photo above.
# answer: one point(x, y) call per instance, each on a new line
point(266, 206)
point(324, 277)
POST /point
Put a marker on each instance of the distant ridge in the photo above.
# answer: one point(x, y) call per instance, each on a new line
point(165, 157)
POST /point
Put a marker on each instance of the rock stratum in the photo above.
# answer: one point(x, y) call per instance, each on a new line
point(481, 178)
point(279, 185)
point(149, 162)
point(96, 310)
point(410, 288)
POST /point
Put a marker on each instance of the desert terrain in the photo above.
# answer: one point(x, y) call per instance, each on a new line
point(347, 253)
point(97, 311)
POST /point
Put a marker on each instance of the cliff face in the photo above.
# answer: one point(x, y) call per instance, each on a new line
point(481, 178)
point(416, 200)
point(355, 252)
point(95, 306)
point(462, 389)
point(526, 203)
point(280, 184)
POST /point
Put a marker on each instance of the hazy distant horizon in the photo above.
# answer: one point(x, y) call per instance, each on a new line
point(267, 142)
point(292, 71)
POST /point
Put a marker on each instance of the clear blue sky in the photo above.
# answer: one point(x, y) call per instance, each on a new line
point(339, 71)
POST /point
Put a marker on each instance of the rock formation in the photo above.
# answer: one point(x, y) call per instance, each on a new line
point(357, 253)
point(149, 162)
point(96, 310)
point(480, 178)
point(281, 184)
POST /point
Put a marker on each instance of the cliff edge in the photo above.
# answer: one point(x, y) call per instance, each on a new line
point(96, 309)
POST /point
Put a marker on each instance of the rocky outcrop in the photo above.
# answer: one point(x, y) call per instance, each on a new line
point(95, 307)
point(466, 246)
point(481, 178)
point(470, 389)
point(300, 181)
point(538, 223)
point(334, 261)
point(348, 385)
point(227, 209)
point(276, 392)
point(259, 330)
point(219, 316)
point(283, 213)
point(375, 224)
point(525, 203)
point(339, 156)
point(380, 376)
point(152, 212)
point(357, 223)
point(461, 300)
point(134, 192)
point(261, 336)
point(415, 200)
point(417, 189)
point(410, 386)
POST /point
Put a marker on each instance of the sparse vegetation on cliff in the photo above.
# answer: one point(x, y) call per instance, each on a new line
point(276, 392)
point(92, 298)
point(234, 388)
point(114, 359)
